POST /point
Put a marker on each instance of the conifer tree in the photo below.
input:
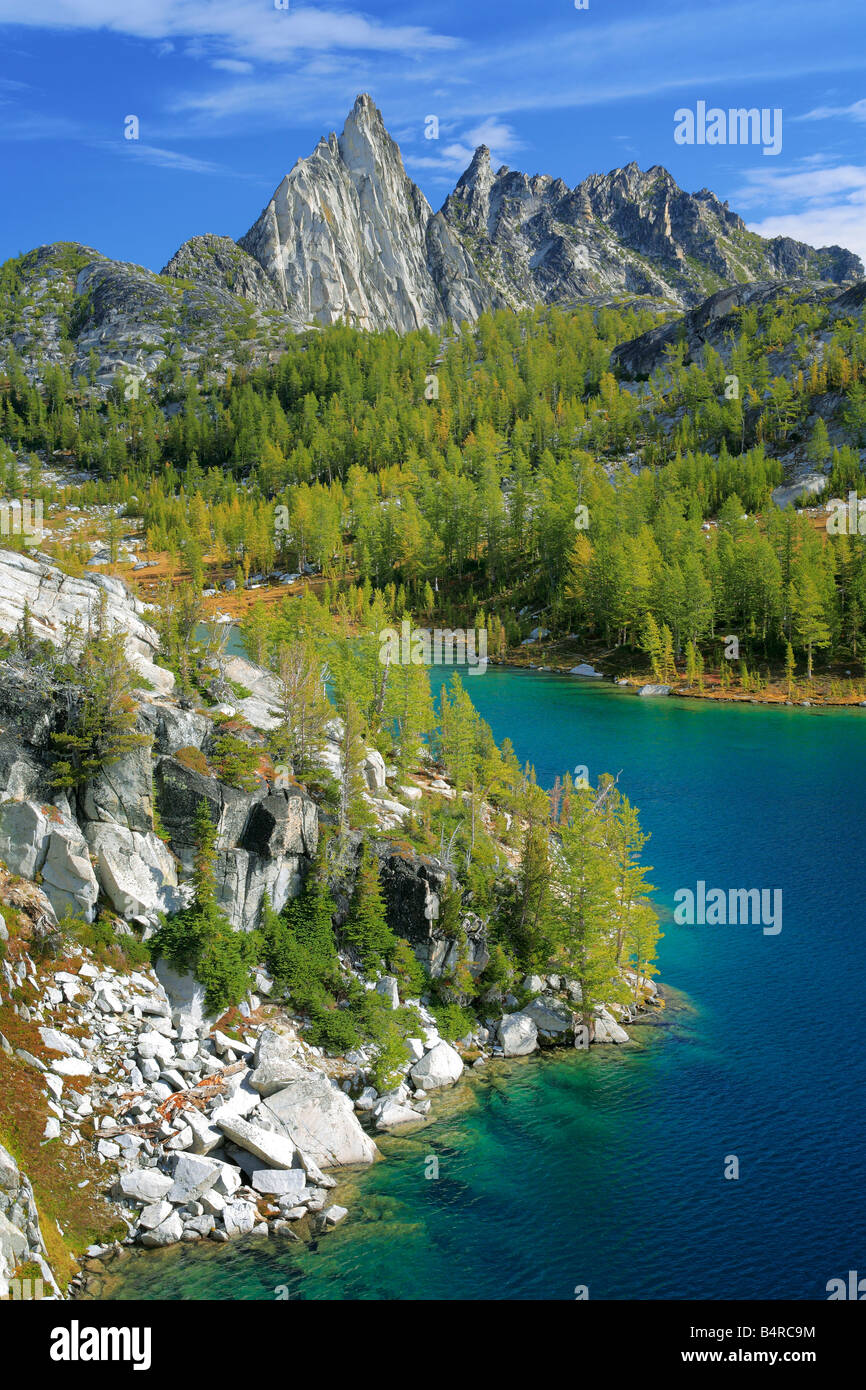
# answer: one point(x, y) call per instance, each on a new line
point(667, 664)
point(652, 645)
point(586, 901)
point(352, 754)
point(790, 667)
point(366, 927)
point(103, 727)
point(305, 710)
point(808, 612)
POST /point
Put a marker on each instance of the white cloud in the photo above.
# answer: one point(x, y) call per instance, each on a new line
point(454, 157)
point(164, 158)
point(253, 30)
point(856, 111)
point(34, 125)
point(821, 205)
point(231, 65)
point(812, 184)
point(501, 138)
point(834, 225)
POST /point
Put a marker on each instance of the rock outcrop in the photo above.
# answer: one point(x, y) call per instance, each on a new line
point(45, 842)
point(21, 1240)
point(412, 886)
point(220, 263)
point(135, 870)
point(264, 840)
point(101, 839)
point(348, 236)
point(55, 598)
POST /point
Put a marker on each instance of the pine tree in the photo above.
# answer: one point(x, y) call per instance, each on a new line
point(691, 662)
point(809, 618)
point(530, 925)
point(668, 664)
point(409, 705)
point(790, 667)
point(449, 921)
point(459, 725)
point(625, 842)
point(299, 944)
point(651, 643)
point(352, 754)
point(25, 635)
point(586, 902)
point(818, 448)
point(366, 927)
point(103, 726)
point(305, 710)
point(204, 859)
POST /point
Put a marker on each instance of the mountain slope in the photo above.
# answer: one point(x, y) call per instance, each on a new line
point(107, 320)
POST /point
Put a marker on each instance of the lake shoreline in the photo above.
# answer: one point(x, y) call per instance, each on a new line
point(634, 685)
point(106, 1274)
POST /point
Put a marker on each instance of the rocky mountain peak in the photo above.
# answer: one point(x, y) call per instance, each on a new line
point(365, 145)
point(348, 235)
point(479, 168)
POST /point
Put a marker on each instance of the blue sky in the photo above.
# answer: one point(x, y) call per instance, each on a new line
point(229, 93)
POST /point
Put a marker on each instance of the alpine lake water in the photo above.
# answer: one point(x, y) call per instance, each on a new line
point(606, 1169)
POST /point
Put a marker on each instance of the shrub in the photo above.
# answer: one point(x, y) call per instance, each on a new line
point(405, 966)
point(299, 946)
point(200, 939)
point(387, 1070)
point(498, 970)
point(366, 928)
point(204, 944)
point(335, 1030)
point(103, 727)
point(236, 762)
point(194, 759)
point(453, 1021)
point(120, 951)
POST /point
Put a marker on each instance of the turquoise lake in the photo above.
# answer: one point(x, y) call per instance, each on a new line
point(606, 1169)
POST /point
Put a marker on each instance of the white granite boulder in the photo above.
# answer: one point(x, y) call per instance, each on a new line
point(320, 1119)
point(277, 1150)
point(441, 1066)
point(135, 870)
point(518, 1034)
